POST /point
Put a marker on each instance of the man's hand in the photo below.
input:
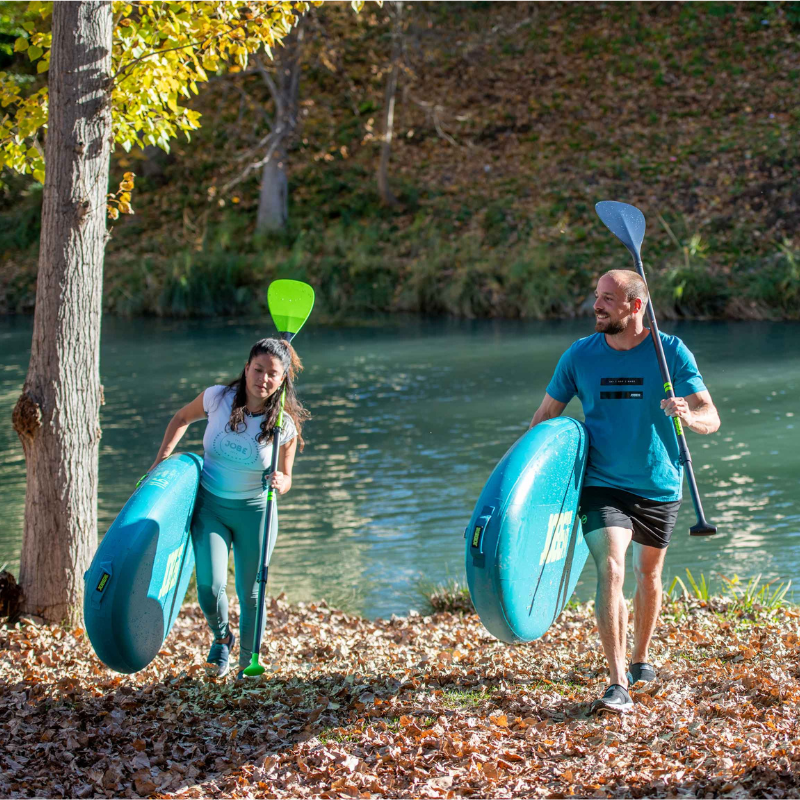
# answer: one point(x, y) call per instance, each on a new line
point(696, 412)
point(678, 407)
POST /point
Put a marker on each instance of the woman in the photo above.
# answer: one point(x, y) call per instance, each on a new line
point(232, 496)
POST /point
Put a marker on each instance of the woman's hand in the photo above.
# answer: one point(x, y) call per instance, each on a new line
point(281, 482)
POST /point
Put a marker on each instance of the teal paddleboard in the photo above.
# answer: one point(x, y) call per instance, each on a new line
point(139, 575)
point(524, 545)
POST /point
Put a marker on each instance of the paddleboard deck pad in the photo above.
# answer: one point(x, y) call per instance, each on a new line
point(135, 586)
point(524, 545)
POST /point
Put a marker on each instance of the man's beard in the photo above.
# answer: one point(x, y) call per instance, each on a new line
point(609, 327)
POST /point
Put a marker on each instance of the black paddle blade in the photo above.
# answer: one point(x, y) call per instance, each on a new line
point(625, 222)
point(703, 529)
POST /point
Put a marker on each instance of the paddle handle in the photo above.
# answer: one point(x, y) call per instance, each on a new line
point(702, 526)
point(263, 571)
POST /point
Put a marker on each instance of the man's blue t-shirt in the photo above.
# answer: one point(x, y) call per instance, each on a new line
point(632, 443)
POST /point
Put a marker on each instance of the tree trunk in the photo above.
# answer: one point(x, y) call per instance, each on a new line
point(273, 201)
point(57, 415)
point(385, 192)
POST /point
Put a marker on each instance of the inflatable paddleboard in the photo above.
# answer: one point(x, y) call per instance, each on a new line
point(138, 578)
point(524, 545)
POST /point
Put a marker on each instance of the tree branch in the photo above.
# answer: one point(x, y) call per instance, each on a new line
point(201, 42)
point(433, 110)
point(258, 106)
point(276, 137)
point(273, 89)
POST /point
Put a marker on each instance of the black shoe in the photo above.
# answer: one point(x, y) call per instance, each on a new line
point(641, 671)
point(616, 700)
point(219, 657)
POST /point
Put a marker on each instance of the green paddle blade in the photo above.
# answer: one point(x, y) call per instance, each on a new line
point(254, 668)
point(290, 304)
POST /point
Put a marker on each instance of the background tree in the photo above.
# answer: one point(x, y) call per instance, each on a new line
point(385, 192)
point(273, 200)
point(116, 79)
point(57, 415)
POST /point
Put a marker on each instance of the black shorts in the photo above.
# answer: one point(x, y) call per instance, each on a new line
point(651, 521)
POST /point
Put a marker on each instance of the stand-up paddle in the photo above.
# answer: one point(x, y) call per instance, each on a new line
point(627, 223)
point(290, 304)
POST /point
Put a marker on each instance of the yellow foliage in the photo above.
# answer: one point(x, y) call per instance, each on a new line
point(193, 40)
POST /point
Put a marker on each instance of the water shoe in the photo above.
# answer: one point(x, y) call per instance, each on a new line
point(641, 671)
point(219, 657)
point(616, 700)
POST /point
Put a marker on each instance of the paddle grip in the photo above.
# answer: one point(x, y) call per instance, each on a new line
point(702, 528)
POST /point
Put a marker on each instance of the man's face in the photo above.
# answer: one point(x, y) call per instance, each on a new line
point(612, 310)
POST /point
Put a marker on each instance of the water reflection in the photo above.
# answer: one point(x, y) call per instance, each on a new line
point(409, 418)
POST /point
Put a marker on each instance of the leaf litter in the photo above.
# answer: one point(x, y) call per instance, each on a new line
point(418, 706)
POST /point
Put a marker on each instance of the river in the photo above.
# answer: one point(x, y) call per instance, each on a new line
point(409, 418)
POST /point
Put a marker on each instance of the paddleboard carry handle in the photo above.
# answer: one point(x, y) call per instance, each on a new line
point(478, 530)
point(98, 590)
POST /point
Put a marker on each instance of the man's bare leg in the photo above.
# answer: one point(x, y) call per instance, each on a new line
point(608, 547)
point(648, 562)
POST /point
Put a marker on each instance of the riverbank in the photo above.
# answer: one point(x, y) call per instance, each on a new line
point(512, 120)
point(416, 706)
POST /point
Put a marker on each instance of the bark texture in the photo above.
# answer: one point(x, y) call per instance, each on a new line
point(273, 200)
point(57, 416)
point(384, 190)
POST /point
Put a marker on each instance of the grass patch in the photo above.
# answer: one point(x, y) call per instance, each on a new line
point(338, 735)
point(736, 596)
point(451, 596)
point(465, 698)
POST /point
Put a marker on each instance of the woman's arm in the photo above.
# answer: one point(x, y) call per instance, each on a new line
point(282, 479)
point(177, 427)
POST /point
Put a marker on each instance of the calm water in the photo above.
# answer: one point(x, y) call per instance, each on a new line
point(410, 417)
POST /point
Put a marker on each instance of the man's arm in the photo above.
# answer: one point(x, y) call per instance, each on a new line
point(549, 409)
point(697, 412)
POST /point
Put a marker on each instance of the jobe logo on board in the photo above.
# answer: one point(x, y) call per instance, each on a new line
point(234, 447)
point(559, 528)
point(171, 573)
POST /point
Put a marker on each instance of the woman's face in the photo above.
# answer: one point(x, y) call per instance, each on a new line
point(263, 376)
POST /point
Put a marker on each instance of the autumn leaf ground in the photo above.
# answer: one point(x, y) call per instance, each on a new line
point(415, 706)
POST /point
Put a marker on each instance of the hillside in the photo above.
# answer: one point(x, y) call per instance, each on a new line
point(512, 120)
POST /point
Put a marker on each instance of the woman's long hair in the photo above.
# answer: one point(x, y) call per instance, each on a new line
point(285, 353)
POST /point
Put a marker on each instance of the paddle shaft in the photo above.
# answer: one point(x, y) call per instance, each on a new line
point(702, 528)
point(264, 570)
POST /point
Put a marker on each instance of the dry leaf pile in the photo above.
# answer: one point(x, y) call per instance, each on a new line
point(416, 706)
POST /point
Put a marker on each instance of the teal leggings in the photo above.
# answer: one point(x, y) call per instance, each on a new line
point(218, 524)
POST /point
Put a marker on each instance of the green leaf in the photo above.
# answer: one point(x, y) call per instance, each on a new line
point(20, 45)
point(35, 52)
point(42, 66)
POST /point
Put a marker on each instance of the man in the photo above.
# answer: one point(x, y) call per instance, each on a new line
point(632, 489)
